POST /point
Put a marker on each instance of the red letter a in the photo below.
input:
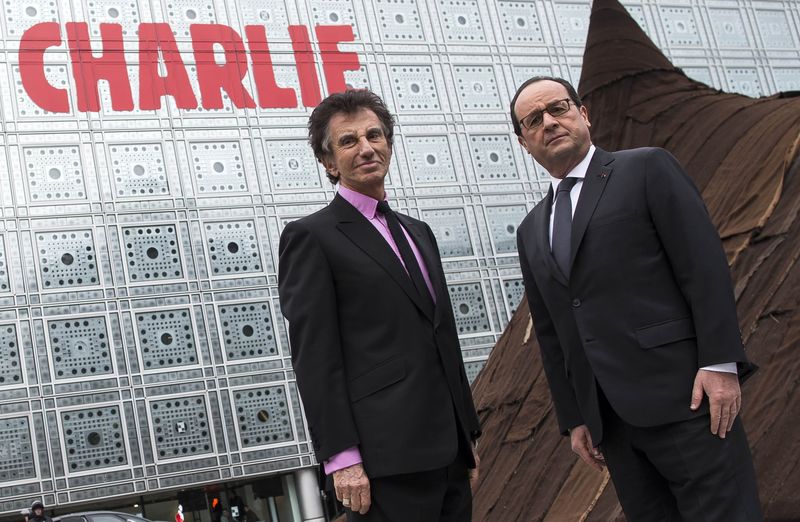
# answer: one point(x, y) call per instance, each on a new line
point(152, 86)
point(212, 76)
point(88, 70)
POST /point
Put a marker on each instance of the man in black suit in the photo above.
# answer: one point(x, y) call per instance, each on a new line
point(633, 306)
point(374, 342)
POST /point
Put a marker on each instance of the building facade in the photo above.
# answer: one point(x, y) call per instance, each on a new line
point(152, 152)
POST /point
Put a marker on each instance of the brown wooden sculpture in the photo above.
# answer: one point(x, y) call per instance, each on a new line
point(744, 155)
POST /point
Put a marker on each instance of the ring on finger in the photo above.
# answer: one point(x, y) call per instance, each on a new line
point(346, 501)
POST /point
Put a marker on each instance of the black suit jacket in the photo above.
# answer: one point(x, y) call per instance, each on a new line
point(376, 367)
point(648, 299)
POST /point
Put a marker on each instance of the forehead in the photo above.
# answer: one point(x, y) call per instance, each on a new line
point(343, 123)
point(537, 95)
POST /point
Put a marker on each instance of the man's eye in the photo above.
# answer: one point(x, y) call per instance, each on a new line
point(375, 135)
point(347, 141)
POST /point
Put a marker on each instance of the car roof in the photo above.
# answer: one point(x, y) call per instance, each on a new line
point(89, 513)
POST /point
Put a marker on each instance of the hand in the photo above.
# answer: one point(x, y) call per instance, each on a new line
point(474, 472)
point(724, 398)
point(352, 488)
point(582, 445)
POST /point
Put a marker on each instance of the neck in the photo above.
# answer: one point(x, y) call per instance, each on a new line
point(375, 192)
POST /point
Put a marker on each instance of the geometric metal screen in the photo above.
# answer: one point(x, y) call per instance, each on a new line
point(142, 345)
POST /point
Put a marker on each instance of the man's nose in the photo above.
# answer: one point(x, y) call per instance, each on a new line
point(365, 147)
point(548, 120)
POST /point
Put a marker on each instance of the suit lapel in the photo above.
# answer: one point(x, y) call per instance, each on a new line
point(594, 184)
point(364, 235)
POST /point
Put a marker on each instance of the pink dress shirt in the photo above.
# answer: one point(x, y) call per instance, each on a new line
point(367, 207)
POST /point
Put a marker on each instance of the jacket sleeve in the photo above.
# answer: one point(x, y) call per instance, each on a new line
point(472, 424)
point(309, 302)
point(694, 249)
point(567, 411)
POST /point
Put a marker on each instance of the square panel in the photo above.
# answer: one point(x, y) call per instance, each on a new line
point(573, 22)
point(520, 22)
point(139, 170)
point(414, 87)
point(477, 88)
point(292, 165)
point(431, 159)
point(263, 416)
point(247, 331)
point(450, 228)
point(21, 15)
point(80, 347)
point(152, 253)
point(93, 438)
point(399, 20)
point(181, 427)
point(166, 339)
point(113, 11)
point(334, 12)
point(461, 21)
point(67, 259)
point(269, 13)
point(513, 291)
point(469, 308)
point(744, 80)
point(183, 13)
point(10, 360)
point(728, 27)
point(503, 223)
point(233, 248)
point(16, 450)
point(680, 26)
point(493, 157)
point(218, 167)
point(54, 173)
point(774, 29)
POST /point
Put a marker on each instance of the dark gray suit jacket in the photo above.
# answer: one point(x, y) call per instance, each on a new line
point(376, 367)
point(648, 300)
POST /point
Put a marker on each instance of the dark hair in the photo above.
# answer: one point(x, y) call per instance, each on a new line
point(350, 101)
point(573, 95)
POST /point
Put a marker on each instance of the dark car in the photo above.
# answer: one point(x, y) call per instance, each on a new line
point(99, 516)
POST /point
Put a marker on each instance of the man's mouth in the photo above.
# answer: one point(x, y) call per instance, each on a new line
point(554, 138)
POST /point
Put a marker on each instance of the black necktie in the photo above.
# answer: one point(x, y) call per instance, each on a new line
point(562, 224)
point(412, 267)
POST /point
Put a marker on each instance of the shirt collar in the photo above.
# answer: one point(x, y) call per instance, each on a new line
point(364, 204)
point(579, 171)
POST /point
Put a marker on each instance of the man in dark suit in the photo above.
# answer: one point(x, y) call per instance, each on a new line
point(633, 306)
point(374, 342)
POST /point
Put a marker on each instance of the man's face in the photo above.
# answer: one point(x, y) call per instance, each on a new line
point(558, 143)
point(360, 153)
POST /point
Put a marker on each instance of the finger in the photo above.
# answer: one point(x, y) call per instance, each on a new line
point(366, 500)
point(697, 392)
point(355, 500)
point(725, 415)
point(734, 413)
point(715, 411)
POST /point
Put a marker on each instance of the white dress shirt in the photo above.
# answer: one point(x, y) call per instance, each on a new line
point(580, 172)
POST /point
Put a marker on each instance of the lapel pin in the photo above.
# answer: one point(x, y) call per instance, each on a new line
point(603, 174)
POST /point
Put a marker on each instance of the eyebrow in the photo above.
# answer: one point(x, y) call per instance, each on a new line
point(348, 134)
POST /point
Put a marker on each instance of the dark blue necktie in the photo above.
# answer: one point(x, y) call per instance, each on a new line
point(562, 224)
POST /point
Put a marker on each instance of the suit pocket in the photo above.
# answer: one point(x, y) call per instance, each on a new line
point(609, 219)
point(666, 332)
point(378, 378)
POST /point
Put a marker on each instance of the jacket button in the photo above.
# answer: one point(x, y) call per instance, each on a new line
point(576, 303)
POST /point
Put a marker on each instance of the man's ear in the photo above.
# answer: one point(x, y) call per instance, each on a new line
point(585, 113)
point(329, 166)
point(524, 145)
